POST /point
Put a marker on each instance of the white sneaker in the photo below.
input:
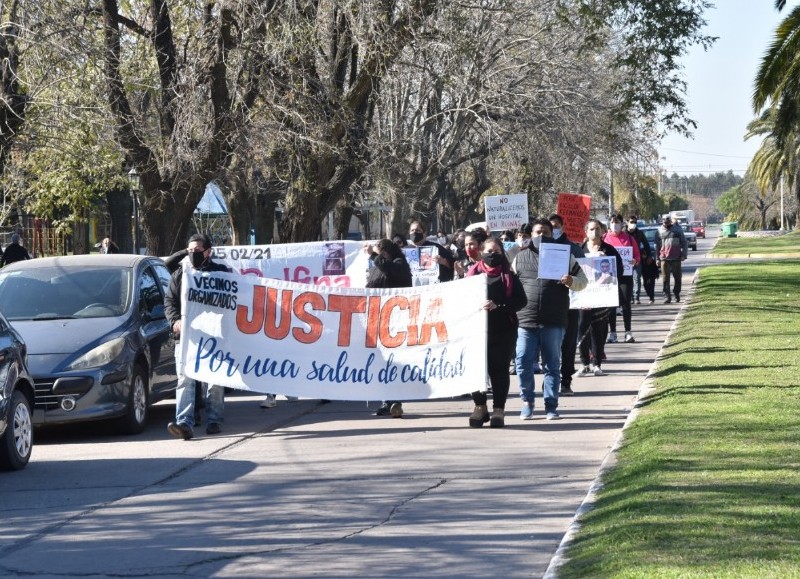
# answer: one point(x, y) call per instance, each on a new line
point(585, 371)
point(612, 338)
point(598, 371)
point(629, 338)
point(269, 401)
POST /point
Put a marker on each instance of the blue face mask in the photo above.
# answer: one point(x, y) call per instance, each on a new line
point(556, 233)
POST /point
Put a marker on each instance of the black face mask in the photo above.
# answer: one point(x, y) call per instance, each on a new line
point(492, 259)
point(417, 236)
point(197, 258)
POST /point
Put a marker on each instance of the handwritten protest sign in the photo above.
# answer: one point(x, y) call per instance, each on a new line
point(575, 209)
point(602, 290)
point(337, 343)
point(626, 253)
point(506, 211)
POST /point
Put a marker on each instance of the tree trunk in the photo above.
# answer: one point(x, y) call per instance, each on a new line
point(120, 209)
point(166, 231)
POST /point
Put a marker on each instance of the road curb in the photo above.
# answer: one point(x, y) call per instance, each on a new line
point(645, 390)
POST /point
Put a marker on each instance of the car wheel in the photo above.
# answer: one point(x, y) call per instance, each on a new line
point(135, 418)
point(17, 441)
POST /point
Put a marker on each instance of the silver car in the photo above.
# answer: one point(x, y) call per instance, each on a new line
point(99, 344)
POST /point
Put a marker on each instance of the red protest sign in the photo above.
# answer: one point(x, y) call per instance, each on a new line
point(575, 209)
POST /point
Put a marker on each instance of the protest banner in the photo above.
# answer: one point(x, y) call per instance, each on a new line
point(626, 253)
point(336, 343)
point(506, 211)
point(602, 291)
point(330, 263)
point(423, 264)
point(575, 209)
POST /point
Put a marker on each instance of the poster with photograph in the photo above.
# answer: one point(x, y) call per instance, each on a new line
point(602, 290)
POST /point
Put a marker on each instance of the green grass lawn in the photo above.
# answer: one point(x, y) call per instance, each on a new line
point(708, 476)
point(783, 244)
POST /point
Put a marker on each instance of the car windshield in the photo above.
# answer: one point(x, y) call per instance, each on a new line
point(51, 293)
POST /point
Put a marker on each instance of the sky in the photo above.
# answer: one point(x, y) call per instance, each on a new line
point(720, 87)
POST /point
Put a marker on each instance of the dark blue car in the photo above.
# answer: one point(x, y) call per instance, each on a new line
point(99, 344)
point(16, 401)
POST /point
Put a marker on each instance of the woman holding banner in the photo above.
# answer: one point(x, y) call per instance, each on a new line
point(505, 296)
point(628, 248)
point(593, 322)
point(389, 269)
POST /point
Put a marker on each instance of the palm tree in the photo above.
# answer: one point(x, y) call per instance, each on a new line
point(777, 87)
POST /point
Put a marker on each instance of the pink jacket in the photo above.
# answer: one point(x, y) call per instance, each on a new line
point(624, 239)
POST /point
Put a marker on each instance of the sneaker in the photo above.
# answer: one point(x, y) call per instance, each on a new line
point(629, 338)
point(527, 411)
point(269, 401)
point(612, 338)
point(566, 391)
point(585, 371)
point(213, 428)
point(383, 410)
point(668, 301)
point(553, 415)
point(677, 298)
point(396, 410)
point(180, 430)
point(638, 301)
point(498, 419)
point(651, 302)
point(598, 371)
point(479, 416)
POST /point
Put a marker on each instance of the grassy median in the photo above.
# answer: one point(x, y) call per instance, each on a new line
point(708, 478)
point(778, 245)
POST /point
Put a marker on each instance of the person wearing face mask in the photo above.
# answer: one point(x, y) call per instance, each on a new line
point(504, 297)
point(198, 259)
point(619, 239)
point(570, 343)
point(444, 258)
point(472, 249)
point(457, 247)
point(542, 322)
point(641, 270)
point(593, 322)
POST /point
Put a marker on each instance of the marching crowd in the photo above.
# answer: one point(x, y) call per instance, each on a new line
point(530, 326)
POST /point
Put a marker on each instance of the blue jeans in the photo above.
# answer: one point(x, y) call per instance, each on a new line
point(637, 281)
point(547, 340)
point(184, 397)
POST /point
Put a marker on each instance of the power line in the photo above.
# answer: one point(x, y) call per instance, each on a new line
point(707, 154)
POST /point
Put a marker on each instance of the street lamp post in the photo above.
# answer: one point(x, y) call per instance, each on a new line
point(133, 180)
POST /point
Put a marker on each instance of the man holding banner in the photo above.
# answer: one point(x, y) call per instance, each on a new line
point(199, 259)
point(543, 321)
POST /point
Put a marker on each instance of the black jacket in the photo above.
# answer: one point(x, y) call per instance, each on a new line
point(548, 300)
point(14, 252)
point(388, 273)
point(172, 299)
point(504, 318)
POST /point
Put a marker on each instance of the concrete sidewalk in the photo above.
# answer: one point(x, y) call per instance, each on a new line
point(311, 489)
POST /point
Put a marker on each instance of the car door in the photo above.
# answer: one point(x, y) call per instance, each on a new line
point(155, 331)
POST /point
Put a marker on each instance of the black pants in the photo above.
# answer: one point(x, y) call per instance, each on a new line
point(568, 347)
point(592, 333)
point(625, 291)
point(498, 357)
point(672, 267)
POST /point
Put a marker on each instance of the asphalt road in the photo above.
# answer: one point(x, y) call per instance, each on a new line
point(311, 489)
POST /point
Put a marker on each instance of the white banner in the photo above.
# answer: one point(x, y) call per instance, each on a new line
point(327, 263)
point(602, 290)
point(336, 343)
point(626, 253)
point(506, 211)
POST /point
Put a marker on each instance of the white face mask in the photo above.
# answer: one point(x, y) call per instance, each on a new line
point(556, 233)
point(524, 242)
point(593, 234)
point(616, 227)
point(442, 240)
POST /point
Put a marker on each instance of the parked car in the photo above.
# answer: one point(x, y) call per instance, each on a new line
point(691, 236)
point(16, 400)
point(650, 232)
point(699, 228)
point(99, 344)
